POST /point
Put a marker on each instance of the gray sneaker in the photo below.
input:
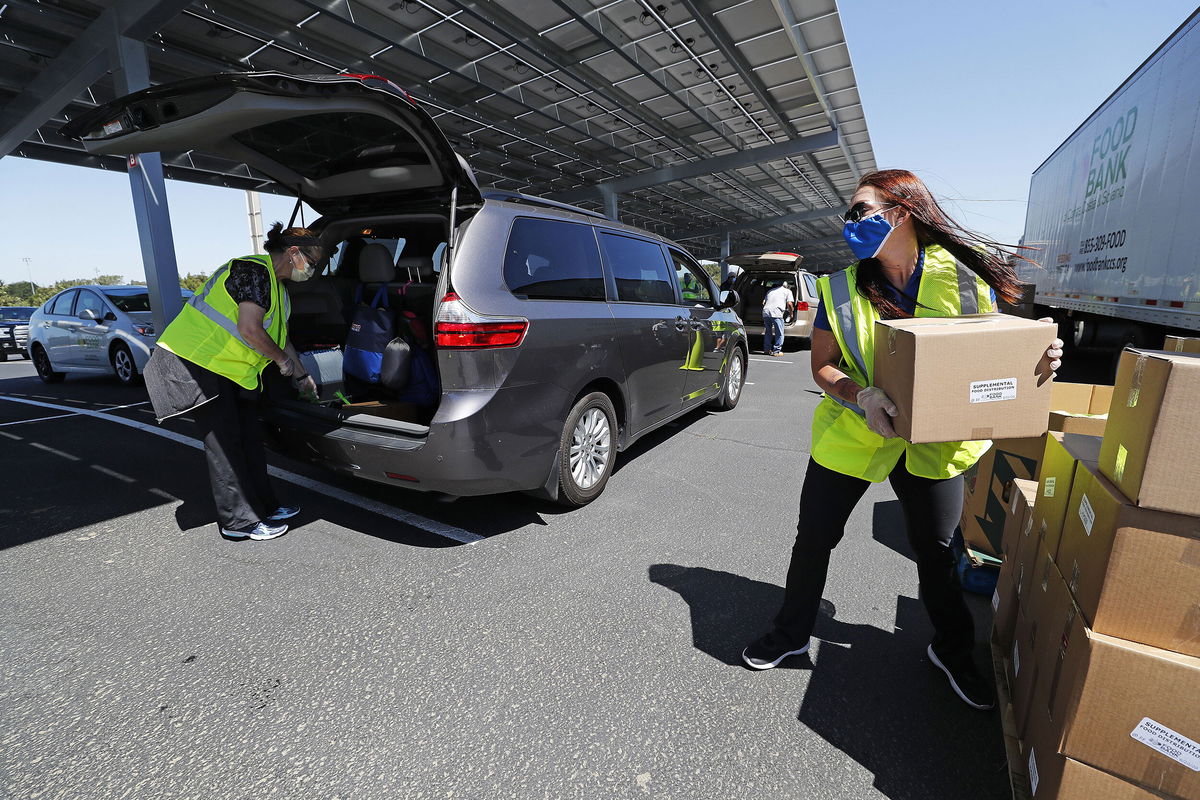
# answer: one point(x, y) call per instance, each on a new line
point(260, 531)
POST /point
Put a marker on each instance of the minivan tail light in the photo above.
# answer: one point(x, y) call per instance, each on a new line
point(802, 305)
point(458, 327)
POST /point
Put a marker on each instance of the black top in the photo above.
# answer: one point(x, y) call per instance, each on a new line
point(249, 282)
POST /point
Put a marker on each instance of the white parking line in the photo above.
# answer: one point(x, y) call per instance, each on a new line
point(772, 361)
point(356, 500)
point(71, 412)
point(113, 473)
point(51, 450)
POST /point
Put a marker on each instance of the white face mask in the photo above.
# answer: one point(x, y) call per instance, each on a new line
point(301, 274)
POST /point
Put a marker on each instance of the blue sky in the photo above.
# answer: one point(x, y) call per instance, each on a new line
point(970, 95)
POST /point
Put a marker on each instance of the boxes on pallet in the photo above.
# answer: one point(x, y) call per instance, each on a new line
point(1182, 344)
point(1065, 456)
point(1134, 572)
point(1151, 447)
point(965, 378)
point(986, 482)
point(1118, 706)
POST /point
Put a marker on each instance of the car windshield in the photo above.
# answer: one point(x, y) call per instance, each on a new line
point(130, 299)
point(15, 313)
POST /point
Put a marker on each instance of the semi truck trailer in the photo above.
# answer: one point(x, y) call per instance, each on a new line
point(1113, 221)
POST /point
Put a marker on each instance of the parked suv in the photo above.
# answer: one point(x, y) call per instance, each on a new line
point(95, 330)
point(14, 331)
point(559, 337)
point(758, 274)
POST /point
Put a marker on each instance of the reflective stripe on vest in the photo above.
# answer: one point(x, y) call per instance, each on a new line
point(968, 292)
point(200, 303)
point(843, 308)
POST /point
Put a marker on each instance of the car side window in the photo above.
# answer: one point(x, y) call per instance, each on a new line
point(62, 304)
point(639, 268)
point(693, 281)
point(552, 260)
point(89, 300)
point(810, 282)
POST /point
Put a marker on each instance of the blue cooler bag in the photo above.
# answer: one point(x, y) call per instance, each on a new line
point(370, 331)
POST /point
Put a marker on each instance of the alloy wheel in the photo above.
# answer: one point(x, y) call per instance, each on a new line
point(591, 448)
point(123, 365)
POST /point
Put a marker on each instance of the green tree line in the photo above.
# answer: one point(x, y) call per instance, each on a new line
point(23, 293)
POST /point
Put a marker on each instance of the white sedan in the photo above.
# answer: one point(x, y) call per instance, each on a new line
point(93, 330)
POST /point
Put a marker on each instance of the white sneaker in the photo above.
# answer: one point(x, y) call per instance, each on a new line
point(259, 532)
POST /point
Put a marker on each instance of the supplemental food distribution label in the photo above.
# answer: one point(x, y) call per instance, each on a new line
point(1033, 773)
point(992, 391)
point(1086, 514)
point(1173, 745)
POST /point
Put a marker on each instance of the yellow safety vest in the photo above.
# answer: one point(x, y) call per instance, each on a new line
point(841, 440)
point(206, 333)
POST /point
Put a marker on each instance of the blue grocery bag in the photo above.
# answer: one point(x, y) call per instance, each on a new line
point(371, 329)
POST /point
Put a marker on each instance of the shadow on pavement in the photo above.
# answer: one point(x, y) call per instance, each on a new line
point(872, 693)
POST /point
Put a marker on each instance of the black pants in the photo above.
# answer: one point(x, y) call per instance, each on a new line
point(931, 512)
point(237, 462)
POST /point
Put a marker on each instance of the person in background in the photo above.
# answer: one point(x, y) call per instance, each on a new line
point(210, 360)
point(913, 261)
point(778, 303)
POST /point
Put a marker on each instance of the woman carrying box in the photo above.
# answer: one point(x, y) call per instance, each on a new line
point(913, 261)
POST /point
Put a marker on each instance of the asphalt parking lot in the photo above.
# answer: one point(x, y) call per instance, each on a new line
point(394, 646)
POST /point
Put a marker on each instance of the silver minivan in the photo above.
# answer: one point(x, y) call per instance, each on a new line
point(759, 272)
point(558, 337)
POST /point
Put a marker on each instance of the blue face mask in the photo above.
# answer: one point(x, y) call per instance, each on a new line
point(867, 236)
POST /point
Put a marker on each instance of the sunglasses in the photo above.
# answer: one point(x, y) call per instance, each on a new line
point(860, 211)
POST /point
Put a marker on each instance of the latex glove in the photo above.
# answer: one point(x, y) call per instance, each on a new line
point(1054, 352)
point(287, 367)
point(306, 386)
point(880, 409)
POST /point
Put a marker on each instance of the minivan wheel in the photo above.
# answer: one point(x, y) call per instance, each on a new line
point(735, 378)
point(123, 364)
point(586, 450)
point(45, 371)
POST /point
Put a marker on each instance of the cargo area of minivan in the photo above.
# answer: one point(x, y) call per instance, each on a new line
point(391, 265)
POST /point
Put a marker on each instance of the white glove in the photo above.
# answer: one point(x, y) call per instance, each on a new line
point(306, 386)
point(880, 409)
point(1054, 353)
point(287, 367)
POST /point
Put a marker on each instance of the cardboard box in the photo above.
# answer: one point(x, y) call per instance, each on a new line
point(1152, 446)
point(1118, 706)
point(986, 483)
point(1134, 572)
point(1182, 344)
point(1020, 507)
point(1065, 455)
point(1036, 637)
point(1056, 777)
point(1005, 604)
point(965, 378)
point(987, 486)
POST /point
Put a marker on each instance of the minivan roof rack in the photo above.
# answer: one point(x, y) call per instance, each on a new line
point(517, 197)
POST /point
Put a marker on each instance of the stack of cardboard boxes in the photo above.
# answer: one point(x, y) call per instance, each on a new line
point(1098, 602)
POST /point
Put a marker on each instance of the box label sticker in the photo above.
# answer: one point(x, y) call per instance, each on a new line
point(993, 391)
point(1051, 485)
point(1016, 661)
point(1033, 774)
point(1174, 746)
point(112, 127)
point(1119, 469)
point(1087, 515)
point(996, 599)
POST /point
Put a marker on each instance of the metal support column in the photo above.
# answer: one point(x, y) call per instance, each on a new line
point(254, 209)
point(149, 196)
point(724, 260)
point(610, 203)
